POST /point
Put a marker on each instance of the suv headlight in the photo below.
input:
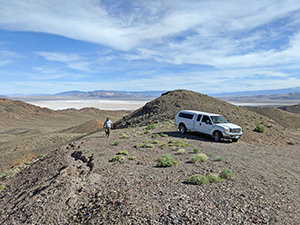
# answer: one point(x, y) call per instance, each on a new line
point(226, 130)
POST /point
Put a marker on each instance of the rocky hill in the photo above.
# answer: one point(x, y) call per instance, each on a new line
point(18, 109)
point(291, 108)
point(167, 106)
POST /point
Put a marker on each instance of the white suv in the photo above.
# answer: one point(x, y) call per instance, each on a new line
point(214, 125)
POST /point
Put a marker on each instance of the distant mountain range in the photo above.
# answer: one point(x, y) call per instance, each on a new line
point(286, 93)
point(261, 92)
point(110, 94)
point(98, 94)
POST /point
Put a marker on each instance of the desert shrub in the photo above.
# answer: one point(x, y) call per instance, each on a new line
point(150, 127)
point(202, 157)
point(148, 141)
point(156, 142)
point(196, 150)
point(166, 161)
point(214, 178)
point(198, 179)
point(125, 136)
point(9, 173)
point(117, 143)
point(2, 187)
point(40, 156)
point(144, 145)
point(195, 159)
point(123, 152)
point(147, 145)
point(164, 145)
point(178, 143)
point(138, 145)
point(259, 129)
point(117, 158)
point(181, 151)
point(291, 142)
point(147, 132)
point(132, 158)
point(163, 135)
point(219, 158)
point(30, 162)
point(155, 136)
point(226, 174)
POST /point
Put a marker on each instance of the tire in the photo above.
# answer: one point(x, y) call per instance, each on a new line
point(182, 128)
point(217, 136)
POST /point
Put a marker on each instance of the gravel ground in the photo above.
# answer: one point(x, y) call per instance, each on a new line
point(77, 184)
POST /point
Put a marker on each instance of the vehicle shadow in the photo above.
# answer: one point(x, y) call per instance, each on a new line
point(191, 135)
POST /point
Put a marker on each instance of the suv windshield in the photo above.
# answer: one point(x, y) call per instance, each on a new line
point(219, 119)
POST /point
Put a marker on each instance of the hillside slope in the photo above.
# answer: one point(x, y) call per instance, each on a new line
point(27, 131)
point(87, 127)
point(165, 108)
point(18, 109)
point(284, 118)
point(291, 108)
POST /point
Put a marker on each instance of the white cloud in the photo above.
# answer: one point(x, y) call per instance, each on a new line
point(4, 62)
point(60, 57)
point(144, 23)
point(73, 61)
point(8, 57)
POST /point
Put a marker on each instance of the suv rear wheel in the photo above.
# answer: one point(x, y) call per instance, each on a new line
point(182, 128)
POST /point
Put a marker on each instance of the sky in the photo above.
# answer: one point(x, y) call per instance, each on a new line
point(207, 46)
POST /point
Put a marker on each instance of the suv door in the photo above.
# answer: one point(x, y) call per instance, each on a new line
point(197, 124)
point(205, 125)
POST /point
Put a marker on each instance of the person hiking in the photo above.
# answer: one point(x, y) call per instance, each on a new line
point(108, 125)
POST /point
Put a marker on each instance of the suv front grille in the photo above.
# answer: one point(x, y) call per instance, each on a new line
point(236, 130)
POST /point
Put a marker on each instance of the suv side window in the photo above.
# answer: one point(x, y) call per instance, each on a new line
point(199, 117)
point(205, 118)
point(186, 115)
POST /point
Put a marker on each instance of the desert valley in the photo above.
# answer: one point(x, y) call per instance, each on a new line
point(57, 166)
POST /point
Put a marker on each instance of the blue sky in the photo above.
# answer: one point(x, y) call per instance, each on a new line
point(205, 46)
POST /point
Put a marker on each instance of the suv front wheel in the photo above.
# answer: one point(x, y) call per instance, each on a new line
point(217, 136)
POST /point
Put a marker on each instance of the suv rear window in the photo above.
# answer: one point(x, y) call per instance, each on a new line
point(186, 115)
